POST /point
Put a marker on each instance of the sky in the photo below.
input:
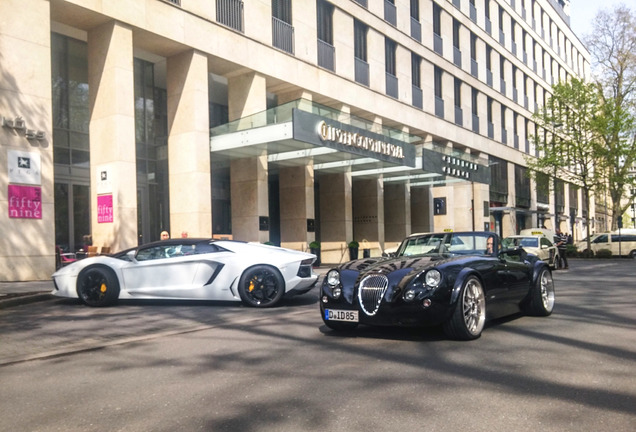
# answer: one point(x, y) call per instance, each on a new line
point(582, 12)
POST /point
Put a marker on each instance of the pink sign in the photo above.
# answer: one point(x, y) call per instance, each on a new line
point(25, 202)
point(104, 208)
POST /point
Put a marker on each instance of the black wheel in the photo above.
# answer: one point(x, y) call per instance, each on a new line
point(542, 295)
point(261, 286)
point(469, 316)
point(98, 286)
point(632, 254)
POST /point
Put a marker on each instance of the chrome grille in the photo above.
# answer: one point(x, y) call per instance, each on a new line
point(372, 289)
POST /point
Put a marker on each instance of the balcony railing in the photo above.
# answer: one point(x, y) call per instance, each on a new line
point(439, 107)
point(230, 13)
point(418, 97)
point(282, 35)
point(473, 13)
point(416, 30)
point(474, 68)
point(390, 13)
point(326, 55)
point(438, 44)
point(362, 71)
point(459, 116)
point(457, 57)
point(391, 85)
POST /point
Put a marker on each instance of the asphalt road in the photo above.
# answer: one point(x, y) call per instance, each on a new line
point(151, 366)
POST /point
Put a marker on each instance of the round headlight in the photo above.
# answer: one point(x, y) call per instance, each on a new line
point(409, 295)
point(333, 278)
point(433, 278)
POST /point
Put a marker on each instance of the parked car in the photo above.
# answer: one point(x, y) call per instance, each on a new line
point(453, 279)
point(623, 244)
point(189, 269)
point(538, 245)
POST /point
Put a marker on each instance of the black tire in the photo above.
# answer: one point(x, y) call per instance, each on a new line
point(261, 286)
point(97, 286)
point(469, 316)
point(632, 254)
point(542, 295)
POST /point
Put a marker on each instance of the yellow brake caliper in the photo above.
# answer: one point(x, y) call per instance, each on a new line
point(252, 284)
point(102, 288)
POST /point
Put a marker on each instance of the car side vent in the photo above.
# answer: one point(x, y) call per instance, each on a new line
point(372, 289)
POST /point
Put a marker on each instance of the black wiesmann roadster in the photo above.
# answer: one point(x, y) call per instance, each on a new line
point(456, 279)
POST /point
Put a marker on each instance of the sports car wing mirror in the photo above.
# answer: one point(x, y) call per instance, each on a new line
point(515, 251)
point(131, 256)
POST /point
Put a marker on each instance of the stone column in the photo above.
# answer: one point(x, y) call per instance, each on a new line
point(112, 132)
point(368, 214)
point(422, 209)
point(189, 145)
point(336, 216)
point(397, 212)
point(296, 205)
point(28, 238)
point(248, 176)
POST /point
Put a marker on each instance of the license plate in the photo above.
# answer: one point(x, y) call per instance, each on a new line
point(341, 315)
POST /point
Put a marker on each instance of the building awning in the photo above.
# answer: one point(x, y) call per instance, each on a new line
point(293, 133)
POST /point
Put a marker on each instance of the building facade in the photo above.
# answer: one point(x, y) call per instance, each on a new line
point(274, 121)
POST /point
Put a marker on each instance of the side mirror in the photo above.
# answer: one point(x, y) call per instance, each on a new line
point(516, 251)
point(131, 256)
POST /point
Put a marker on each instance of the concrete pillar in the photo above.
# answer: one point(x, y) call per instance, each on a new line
point(422, 209)
point(28, 243)
point(336, 216)
point(189, 145)
point(397, 212)
point(112, 132)
point(368, 214)
point(248, 176)
point(296, 205)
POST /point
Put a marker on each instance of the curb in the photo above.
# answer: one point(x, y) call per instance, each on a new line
point(21, 299)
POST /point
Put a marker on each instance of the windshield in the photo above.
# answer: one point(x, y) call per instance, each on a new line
point(471, 243)
point(511, 242)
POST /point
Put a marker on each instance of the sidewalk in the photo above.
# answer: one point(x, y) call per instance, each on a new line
point(14, 293)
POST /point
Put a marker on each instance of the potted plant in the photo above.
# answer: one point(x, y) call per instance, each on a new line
point(353, 250)
point(314, 248)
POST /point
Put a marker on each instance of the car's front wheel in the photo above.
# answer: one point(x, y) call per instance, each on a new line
point(97, 286)
point(542, 295)
point(261, 286)
point(469, 316)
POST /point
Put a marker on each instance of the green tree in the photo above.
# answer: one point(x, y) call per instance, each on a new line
point(566, 139)
point(612, 44)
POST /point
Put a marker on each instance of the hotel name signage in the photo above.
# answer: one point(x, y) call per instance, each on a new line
point(320, 131)
point(453, 166)
point(355, 139)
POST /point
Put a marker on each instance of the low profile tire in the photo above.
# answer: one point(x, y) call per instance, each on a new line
point(542, 295)
point(98, 286)
point(469, 316)
point(261, 286)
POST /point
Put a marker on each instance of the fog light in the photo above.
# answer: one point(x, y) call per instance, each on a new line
point(337, 292)
point(426, 303)
point(409, 295)
point(325, 299)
